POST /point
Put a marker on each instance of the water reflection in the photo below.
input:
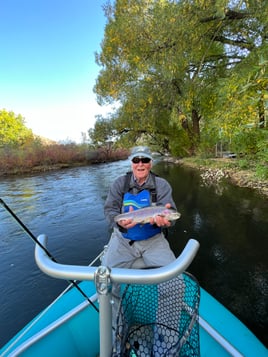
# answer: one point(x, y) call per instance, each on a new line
point(218, 254)
point(231, 224)
point(197, 222)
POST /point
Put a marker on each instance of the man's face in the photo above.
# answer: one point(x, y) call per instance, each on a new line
point(141, 168)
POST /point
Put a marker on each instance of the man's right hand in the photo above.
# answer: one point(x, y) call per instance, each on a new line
point(127, 223)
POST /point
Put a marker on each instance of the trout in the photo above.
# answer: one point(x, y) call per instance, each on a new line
point(143, 215)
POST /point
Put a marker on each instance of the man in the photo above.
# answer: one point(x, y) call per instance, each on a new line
point(130, 241)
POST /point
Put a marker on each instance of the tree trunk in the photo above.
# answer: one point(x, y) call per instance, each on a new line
point(196, 127)
point(261, 112)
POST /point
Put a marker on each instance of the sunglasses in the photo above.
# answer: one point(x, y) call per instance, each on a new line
point(144, 160)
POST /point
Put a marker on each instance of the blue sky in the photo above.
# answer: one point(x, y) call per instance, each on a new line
point(47, 64)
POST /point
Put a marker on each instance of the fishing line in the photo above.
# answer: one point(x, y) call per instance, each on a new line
point(73, 282)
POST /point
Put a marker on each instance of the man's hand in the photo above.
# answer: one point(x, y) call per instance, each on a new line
point(127, 223)
point(161, 221)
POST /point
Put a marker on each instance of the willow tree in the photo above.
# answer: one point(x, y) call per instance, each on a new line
point(240, 91)
point(145, 67)
point(164, 61)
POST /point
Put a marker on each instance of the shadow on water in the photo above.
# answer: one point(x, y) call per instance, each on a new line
point(230, 223)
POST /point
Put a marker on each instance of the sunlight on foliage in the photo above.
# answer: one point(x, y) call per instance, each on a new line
point(187, 74)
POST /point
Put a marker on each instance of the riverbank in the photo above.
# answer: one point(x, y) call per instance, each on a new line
point(212, 170)
point(216, 169)
point(43, 158)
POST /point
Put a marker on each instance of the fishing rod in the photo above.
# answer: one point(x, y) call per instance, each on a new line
point(73, 282)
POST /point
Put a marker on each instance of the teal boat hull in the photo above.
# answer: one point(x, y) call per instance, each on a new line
point(70, 327)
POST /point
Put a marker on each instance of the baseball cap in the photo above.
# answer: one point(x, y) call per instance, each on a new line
point(140, 151)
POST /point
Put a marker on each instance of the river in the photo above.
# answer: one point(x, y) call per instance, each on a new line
point(231, 224)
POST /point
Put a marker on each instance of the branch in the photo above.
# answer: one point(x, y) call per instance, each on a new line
point(227, 15)
point(240, 43)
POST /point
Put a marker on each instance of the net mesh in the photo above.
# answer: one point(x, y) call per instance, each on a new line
point(159, 320)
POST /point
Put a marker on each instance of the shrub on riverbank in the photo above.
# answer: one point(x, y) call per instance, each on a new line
point(35, 156)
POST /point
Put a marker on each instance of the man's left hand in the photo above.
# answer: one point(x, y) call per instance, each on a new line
point(161, 221)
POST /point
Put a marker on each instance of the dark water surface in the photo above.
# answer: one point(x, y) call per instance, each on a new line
point(230, 223)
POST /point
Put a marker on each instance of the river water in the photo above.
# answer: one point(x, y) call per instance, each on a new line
point(230, 223)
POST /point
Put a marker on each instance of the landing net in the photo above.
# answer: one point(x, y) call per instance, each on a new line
point(159, 320)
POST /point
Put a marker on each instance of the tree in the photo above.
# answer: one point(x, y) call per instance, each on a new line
point(13, 130)
point(103, 131)
point(170, 65)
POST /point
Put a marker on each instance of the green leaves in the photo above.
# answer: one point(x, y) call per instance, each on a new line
point(13, 130)
point(183, 67)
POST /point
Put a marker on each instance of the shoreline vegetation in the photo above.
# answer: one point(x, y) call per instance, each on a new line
point(58, 157)
point(214, 169)
point(44, 158)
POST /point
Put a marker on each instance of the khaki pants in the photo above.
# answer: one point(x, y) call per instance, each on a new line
point(155, 252)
